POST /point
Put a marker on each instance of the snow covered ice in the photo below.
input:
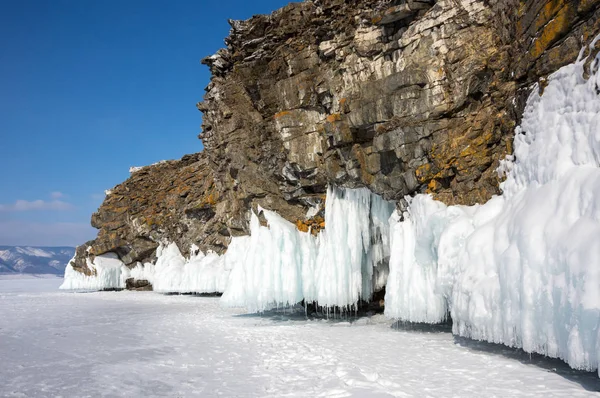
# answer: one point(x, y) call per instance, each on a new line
point(524, 268)
point(131, 344)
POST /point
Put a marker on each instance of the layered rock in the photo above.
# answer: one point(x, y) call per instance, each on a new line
point(401, 97)
point(170, 201)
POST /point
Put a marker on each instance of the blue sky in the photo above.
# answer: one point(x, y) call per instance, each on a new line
point(90, 88)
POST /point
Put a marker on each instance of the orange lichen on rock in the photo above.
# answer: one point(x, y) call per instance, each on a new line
point(433, 186)
point(554, 29)
point(334, 117)
point(314, 225)
point(344, 105)
point(281, 114)
point(301, 226)
point(422, 172)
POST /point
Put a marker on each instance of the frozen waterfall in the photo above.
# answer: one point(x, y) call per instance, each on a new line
point(280, 265)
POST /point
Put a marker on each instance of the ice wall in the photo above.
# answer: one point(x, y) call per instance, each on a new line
point(171, 273)
point(523, 269)
point(346, 262)
point(268, 266)
point(353, 248)
point(201, 273)
point(108, 271)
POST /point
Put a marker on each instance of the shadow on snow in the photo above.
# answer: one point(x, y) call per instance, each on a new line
point(588, 380)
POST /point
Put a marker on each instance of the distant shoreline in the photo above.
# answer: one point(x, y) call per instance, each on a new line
point(29, 276)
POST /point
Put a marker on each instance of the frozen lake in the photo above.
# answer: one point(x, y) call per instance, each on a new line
point(146, 344)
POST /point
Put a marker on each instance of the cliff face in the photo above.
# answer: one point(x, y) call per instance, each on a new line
point(397, 96)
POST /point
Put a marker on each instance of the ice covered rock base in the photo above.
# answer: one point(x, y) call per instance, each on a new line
point(172, 273)
point(277, 265)
point(522, 269)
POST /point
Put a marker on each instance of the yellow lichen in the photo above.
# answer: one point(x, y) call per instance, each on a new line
point(553, 30)
point(433, 186)
point(422, 172)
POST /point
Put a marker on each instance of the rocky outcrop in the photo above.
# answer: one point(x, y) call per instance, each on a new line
point(171, 201)
point(398, 96)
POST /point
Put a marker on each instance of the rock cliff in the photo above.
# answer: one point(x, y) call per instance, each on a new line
point(400, 97)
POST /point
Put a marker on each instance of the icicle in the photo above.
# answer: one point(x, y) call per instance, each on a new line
point(284, 266)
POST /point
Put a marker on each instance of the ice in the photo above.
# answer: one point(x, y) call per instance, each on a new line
point(171, 273)
point(267, 266)
point(107, 272)
point(353, 248)
point(524, 268)
point(347, 261)
point(132, 344)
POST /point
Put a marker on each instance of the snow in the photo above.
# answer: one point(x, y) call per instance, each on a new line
point(278, 265)
point(522, 269)
point(135, 169)
point(14, 283)
point(13, 276)
point(5, 254)
point(34, 251)
point(56, 343)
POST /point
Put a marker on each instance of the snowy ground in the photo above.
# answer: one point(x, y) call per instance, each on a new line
point(146, 344)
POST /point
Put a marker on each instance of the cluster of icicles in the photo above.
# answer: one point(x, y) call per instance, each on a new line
point(522, 269)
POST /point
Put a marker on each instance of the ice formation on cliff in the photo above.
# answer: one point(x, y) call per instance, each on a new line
point(524, 268)
point(281, 266)
point(201, 273)
point(277, 265)
point(108, 274)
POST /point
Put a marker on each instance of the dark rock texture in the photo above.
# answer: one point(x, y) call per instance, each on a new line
point(170, 201)
point(398, 96)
